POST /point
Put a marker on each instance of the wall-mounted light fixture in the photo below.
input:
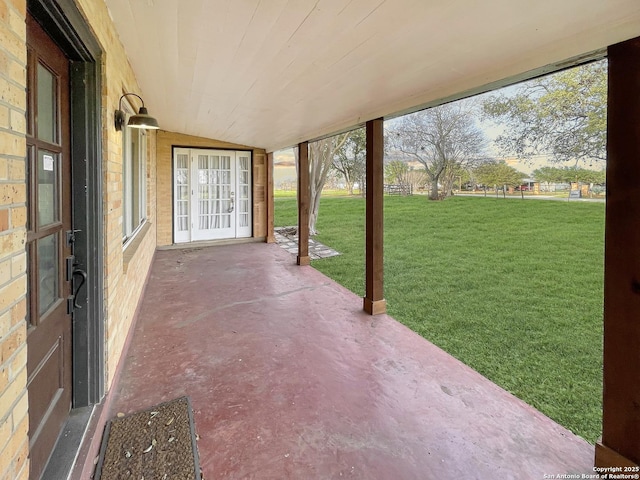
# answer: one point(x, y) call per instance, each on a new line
point(141, 120)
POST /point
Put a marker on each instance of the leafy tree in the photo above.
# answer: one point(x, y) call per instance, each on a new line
point(548, 175)
point(562, 115)
point(350, 158)
point(568, 174)
point(590, 176)
point(439, 138)
point(395, 172)
point(498, 174)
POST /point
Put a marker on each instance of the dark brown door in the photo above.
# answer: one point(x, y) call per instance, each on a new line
point(49, 217)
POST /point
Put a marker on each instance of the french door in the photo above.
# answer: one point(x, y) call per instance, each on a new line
point(212, 194)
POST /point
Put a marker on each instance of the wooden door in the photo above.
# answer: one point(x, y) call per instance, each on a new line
point(49, 218)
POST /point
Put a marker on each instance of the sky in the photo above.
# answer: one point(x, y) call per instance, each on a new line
point(491, 131)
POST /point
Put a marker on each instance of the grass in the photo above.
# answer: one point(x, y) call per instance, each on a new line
point(511, 288)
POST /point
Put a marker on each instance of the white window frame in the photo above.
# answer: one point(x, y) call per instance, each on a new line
point(134, 178)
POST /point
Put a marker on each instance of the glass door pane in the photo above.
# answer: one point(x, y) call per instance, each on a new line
point(243, 195)
point(182, 192)
point(47, 101)
point(48, 272)
point(243, 191)
point(48, 210)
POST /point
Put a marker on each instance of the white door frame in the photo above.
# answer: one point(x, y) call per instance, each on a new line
point(211, 194)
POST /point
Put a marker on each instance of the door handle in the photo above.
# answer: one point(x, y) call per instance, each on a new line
point(232, 206)
point(83, 279)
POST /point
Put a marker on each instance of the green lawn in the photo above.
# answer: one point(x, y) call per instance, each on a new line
point(512, 288)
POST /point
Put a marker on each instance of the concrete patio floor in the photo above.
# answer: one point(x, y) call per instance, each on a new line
point(289, 379)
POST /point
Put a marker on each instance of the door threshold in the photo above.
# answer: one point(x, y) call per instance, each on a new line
point(211, 243)
point(65, 453)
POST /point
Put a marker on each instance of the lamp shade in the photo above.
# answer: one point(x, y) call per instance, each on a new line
point(143, 120)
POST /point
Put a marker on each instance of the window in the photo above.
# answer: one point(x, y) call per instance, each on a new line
point(134, 152)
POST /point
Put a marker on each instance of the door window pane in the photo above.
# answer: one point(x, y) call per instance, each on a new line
point(30, 317)
point(29, 168)
point(47, 188)
point(46, 120)
point(182, 192)
point(47, 272)
point(243, 192)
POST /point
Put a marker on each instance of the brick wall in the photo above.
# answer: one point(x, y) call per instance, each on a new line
point(166, 140)
point(14, 420)
point(125, 269)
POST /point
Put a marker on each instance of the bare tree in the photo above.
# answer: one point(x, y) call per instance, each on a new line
point(321, 156)
point(440, 138)
point(400, 173)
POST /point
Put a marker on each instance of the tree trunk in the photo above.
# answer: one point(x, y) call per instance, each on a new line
point(321, 154)
point(447, 186)
point(433, 194)
point(350, 188)
point(313, 211)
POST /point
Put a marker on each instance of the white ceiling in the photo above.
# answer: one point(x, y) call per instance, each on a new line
point(272, 73)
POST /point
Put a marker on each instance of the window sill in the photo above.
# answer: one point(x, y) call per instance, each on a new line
point(131, 247)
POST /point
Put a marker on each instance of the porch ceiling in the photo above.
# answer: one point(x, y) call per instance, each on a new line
point(272, 73)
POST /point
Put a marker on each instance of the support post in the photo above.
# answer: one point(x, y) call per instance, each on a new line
point(374, 302)
point(619, 445)
point(271, 238)
point(304, 199)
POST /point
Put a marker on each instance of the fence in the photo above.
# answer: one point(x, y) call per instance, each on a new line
point(398, 189)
